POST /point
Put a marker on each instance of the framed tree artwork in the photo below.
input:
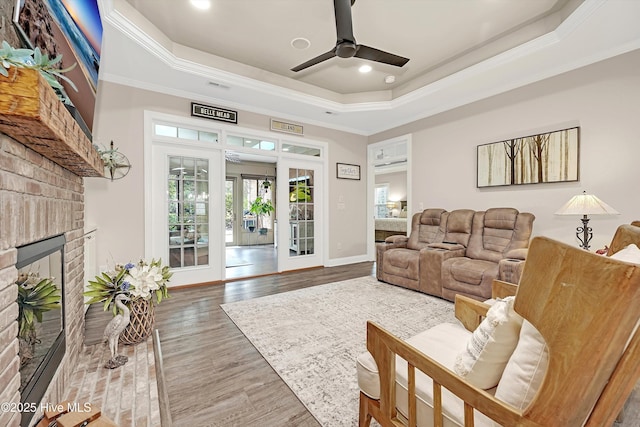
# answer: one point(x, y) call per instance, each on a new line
point(534, 159)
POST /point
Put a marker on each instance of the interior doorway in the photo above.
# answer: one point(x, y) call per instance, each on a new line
point(250, 217)
point(389, 183)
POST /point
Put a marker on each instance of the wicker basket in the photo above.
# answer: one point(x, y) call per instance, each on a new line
point(141, 324)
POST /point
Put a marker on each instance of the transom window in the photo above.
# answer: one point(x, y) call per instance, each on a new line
point(185, 133)
point(301, 149)
point(255, 143)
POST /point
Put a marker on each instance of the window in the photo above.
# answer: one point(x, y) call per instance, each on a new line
point(300, 149)
point(185, 133)
point(252, 188)
point(381, 199)
point(255, 143)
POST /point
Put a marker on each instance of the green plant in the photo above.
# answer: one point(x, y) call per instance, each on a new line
point(35, 296)
point(34, 59)
point(301, 193)
point(261, 207)
point(142, 280)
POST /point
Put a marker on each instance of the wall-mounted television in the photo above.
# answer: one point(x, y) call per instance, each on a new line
point(72, 28)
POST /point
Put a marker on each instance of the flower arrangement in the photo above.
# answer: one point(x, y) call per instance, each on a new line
point(144, 280)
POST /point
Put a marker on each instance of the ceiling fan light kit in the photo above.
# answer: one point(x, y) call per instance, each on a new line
point(346, 46)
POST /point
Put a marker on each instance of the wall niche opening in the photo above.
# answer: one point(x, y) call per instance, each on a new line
point(42, 346)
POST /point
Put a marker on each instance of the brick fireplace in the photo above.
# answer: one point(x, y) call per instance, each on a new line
point(43, 159)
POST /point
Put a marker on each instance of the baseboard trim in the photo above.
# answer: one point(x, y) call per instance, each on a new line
point(347, 260)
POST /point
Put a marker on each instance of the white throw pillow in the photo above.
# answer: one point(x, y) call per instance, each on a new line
point(490, 346)
point(629, 254)
point(525, 371)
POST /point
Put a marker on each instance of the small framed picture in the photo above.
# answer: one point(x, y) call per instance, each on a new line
point(347, 171)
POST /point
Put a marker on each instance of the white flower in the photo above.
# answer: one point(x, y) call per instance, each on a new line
point(144, 280)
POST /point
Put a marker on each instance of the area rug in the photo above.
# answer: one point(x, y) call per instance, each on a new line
point(311, 337)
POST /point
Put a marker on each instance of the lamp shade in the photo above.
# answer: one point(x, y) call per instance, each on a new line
point(586, 204)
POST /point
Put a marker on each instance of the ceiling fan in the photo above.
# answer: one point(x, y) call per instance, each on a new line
point(346, 46)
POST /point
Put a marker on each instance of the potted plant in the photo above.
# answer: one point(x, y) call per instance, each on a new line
point(144, 284)
point(34, 59)
point(260, 208)
point(36, 296)
point(300, 193)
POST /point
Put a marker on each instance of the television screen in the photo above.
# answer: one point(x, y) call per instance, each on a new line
point(71, 28)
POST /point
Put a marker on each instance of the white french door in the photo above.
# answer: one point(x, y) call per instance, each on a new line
point(187, 220)
point(301, 215)
point(186, 196)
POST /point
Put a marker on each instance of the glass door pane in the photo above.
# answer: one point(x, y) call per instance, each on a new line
point(188, 211)
point(301, 212)
point(229, 212)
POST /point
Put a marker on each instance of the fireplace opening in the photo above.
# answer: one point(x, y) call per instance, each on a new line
point(41, 318)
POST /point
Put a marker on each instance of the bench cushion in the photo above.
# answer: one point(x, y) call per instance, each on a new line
point(442, 342)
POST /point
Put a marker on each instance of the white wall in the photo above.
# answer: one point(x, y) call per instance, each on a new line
point(602, 99)
point(117, 207)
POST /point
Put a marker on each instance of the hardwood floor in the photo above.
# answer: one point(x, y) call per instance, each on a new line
point(246, 261)
point(214, 376)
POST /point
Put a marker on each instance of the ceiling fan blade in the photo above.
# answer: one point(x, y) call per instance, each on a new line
point(318, 59)
point(344, 27)
point(373, 54)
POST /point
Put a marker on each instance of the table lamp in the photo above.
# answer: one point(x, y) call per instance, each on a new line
point(585, 204)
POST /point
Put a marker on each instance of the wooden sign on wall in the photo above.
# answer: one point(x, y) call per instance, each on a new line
point(279, 126)
point(214, 113)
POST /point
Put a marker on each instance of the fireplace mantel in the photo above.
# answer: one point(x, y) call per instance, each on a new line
point(31, 113)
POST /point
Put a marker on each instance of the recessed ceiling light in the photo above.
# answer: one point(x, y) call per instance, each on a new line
point(365, 68)
point(201, 4)
point(389, 79)
point(300, 43)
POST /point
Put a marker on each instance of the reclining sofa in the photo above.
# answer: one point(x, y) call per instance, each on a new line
point(457, 252)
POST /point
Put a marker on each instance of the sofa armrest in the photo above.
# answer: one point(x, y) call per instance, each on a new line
point(397, 239)
point(470, 312)
point(431, 259)
point(395, 243)
point(384, 346)
point(382, 247)
point(510, 270)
